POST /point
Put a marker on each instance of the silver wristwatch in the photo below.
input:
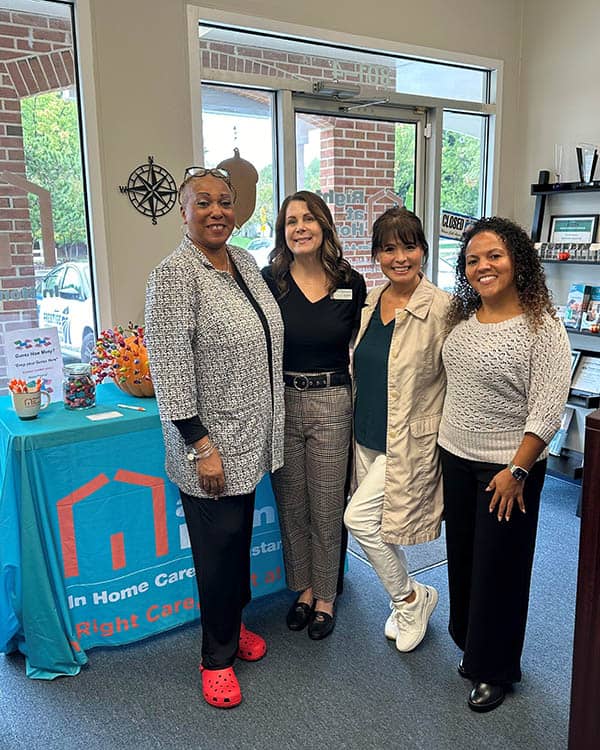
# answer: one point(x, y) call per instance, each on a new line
point(518, 472)
point(192, 454)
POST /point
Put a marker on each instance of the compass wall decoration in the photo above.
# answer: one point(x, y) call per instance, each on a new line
point(151, 190)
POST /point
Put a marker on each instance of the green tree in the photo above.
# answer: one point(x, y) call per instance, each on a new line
point(53, 161)
point(404, 183)
point(264, 211)
point(312, 175)
point(461, 170)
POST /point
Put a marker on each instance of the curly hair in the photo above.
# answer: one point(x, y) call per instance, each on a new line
point(529, 277)
point(401, 224)
point(336, 267)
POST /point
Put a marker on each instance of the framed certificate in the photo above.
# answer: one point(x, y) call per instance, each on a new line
point(587, 375)
point(579, 229)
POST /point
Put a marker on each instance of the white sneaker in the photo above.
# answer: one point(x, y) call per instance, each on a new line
point(391, 629)
point(411, 619)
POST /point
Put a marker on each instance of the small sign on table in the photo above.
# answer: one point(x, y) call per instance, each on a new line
point(35, 353)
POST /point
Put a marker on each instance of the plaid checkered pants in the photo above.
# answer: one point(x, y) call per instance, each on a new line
point(309, 488)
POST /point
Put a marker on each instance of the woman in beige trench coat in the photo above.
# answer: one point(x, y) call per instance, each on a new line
point(399, 387)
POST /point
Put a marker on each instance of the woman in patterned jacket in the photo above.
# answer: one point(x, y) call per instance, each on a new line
point(507, 361)
point(215, 340)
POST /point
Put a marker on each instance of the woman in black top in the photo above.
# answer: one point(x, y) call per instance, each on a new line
point(320, 297)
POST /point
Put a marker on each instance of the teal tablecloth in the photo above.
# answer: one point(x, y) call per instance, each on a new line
point(93, 543)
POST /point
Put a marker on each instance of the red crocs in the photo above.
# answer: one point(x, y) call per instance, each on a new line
point(251, 646)
point(220, 687)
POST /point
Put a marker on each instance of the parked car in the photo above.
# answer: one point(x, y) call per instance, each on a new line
point(65, 301)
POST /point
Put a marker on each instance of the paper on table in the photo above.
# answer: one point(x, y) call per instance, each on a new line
point(104, 415)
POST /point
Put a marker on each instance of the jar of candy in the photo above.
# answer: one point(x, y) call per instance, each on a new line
point(79, 389)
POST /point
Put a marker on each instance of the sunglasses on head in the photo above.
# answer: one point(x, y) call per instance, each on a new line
point(221, 174)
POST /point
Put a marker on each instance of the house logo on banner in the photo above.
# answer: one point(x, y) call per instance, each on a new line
point(66, 522)
point(128, 571)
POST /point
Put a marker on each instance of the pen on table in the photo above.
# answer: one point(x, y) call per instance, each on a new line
point(135, 408)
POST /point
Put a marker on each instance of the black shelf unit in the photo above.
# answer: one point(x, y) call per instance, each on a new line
point(548, 188)
point(569, 466)
point(542, 190)
point(588, 401)
point(584, 333)
point(573, 262)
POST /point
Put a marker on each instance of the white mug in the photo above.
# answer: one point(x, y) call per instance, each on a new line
point(28, 405)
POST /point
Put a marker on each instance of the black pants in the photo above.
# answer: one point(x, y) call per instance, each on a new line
point(489, 568)
point(220, 534)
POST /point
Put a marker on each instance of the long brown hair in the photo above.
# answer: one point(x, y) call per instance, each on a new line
point(530, 280)
point(336, 267)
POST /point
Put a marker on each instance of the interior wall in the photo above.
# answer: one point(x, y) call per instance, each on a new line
point(141, 82)
point(559, 100)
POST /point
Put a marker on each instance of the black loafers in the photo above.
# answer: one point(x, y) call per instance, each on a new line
point(298, 615)
point(485, 697)
point(321, 625)
point(462, 671)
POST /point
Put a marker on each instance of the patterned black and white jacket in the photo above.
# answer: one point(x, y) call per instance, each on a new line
point(208, 357)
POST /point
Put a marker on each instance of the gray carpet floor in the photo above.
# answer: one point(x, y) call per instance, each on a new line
point(352, 690)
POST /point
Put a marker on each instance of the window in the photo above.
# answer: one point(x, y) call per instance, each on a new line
point(344, 110)
point(43, 224)
point(462, 187)
point(291, 58)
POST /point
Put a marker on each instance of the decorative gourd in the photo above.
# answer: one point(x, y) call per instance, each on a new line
point(243, 178)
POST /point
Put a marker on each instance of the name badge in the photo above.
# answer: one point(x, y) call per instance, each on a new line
point(345, 294)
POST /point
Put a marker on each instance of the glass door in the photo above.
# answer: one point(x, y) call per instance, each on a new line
point(361, 165)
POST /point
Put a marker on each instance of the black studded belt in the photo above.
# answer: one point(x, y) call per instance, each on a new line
point(305, 381)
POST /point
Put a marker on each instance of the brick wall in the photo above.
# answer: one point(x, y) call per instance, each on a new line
point(356, 156)
point(35, 56)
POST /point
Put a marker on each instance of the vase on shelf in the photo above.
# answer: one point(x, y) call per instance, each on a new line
point(559, 152)
point(587, 158)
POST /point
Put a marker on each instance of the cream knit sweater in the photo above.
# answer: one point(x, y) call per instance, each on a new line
point(504, 379)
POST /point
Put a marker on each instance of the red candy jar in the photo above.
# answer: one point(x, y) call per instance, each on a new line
point(79, 389)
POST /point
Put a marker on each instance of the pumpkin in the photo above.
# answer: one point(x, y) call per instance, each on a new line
point(124, 359)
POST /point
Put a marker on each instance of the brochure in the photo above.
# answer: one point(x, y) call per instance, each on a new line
point(35, 353)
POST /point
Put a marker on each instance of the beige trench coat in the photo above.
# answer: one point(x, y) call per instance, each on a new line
point(412, 503)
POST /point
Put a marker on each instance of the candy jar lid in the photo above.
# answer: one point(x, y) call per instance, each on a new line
point(77, 368)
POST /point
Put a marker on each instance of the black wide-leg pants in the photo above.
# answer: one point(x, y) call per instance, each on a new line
point(220, 535)
point(489, 568)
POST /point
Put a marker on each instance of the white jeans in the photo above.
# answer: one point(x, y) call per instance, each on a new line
point(363, 520)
